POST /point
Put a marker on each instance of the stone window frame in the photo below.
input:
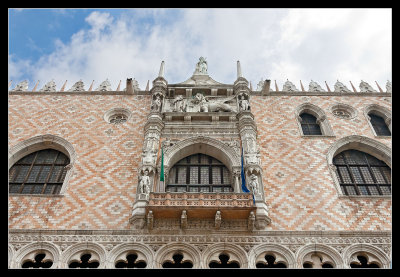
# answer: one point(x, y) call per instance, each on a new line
point(382, 112)
point(143, 252)
point(37, 143)
point(116, 111)
point(352, 111)
point(235, 253)
point(281, 253)
point(325, 250)
point(188, 251)
point(321, 117)
point(35, 248)
point(360, 143)
point(79, 249)
point(371, 251)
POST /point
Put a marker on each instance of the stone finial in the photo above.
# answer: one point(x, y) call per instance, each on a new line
point(147, 86)
point(91, 86)
point(119, 85)
point(63, 87)
point(260, 85)
point(289, 86)
point(389, 86)
point(314, 86)
point(301, 85)
point(34, 89)
point(104, 86)
point(162, 66)
point(251, 87)
point(380, 90)
point(340, 87)
point(365, 87)
point(78, 86)
point(239, 70)
point(276, 86)
point(22, 86)
point(354, 89)
point(49, 87)
point(327, 86)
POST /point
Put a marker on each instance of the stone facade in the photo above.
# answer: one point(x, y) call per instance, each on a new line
point(114, 141)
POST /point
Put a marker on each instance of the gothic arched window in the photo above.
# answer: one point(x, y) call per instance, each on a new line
point(199, 173)
point(309, 124)
point(362, 174)
point(41, 172)
point(379, 125)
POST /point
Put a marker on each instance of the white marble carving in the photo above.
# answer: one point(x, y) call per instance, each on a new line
point(205, 104)
point(260, 85)
point(78, 86)
point(244, 104)
point(22, 86)
point(253, 184)
point(156, 105)
point(201, 67)
point(49, 87)
point(144, 184)
point(289, 86)
point(104, 86)
point(389, 86)
point(314, 86)
point(365, 87)
point(340, 87)
point(179, 104)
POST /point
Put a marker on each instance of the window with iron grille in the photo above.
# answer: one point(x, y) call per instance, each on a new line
point(199, 173)
point(309, 125)
point(41, 172)
point(379, 125)
point(362, 174)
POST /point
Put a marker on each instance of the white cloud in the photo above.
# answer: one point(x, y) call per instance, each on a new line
point(277, 44)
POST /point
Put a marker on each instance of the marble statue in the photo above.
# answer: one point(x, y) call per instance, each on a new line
point(179, 104)
point(201, 66)
point(260, 85)
point(22, 86)
point(289, 86)
point(365, 87)
point(339, 87)
point(243, 103)
point(389, 86)
point(50, 86)
point(144, 184)
point(156, 106)
point(314, 86)
point(78, 86)
point(253, 184)
point(212, 106)
point(104, 86)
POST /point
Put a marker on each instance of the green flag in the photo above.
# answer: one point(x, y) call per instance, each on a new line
point(162, 166)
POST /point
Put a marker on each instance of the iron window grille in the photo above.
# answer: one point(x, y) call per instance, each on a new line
point(41, 172)
point(199, 173)
point(379, 125)
point(362, 174)
point(309, 125)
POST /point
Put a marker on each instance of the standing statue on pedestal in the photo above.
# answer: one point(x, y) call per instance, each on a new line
point(254, 184)
point(156, 106)
point(179, 104)
point(144, 184)
point(243, 103)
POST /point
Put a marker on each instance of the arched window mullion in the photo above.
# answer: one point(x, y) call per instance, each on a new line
point(351, 175)
point(29, 172)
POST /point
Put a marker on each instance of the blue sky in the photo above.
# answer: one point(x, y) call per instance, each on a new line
point(277, 44)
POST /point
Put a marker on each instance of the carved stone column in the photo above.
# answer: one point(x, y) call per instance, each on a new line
point(152, 134)
point(251, 153)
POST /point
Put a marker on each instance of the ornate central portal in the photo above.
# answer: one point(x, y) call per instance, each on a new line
point(200, 129)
